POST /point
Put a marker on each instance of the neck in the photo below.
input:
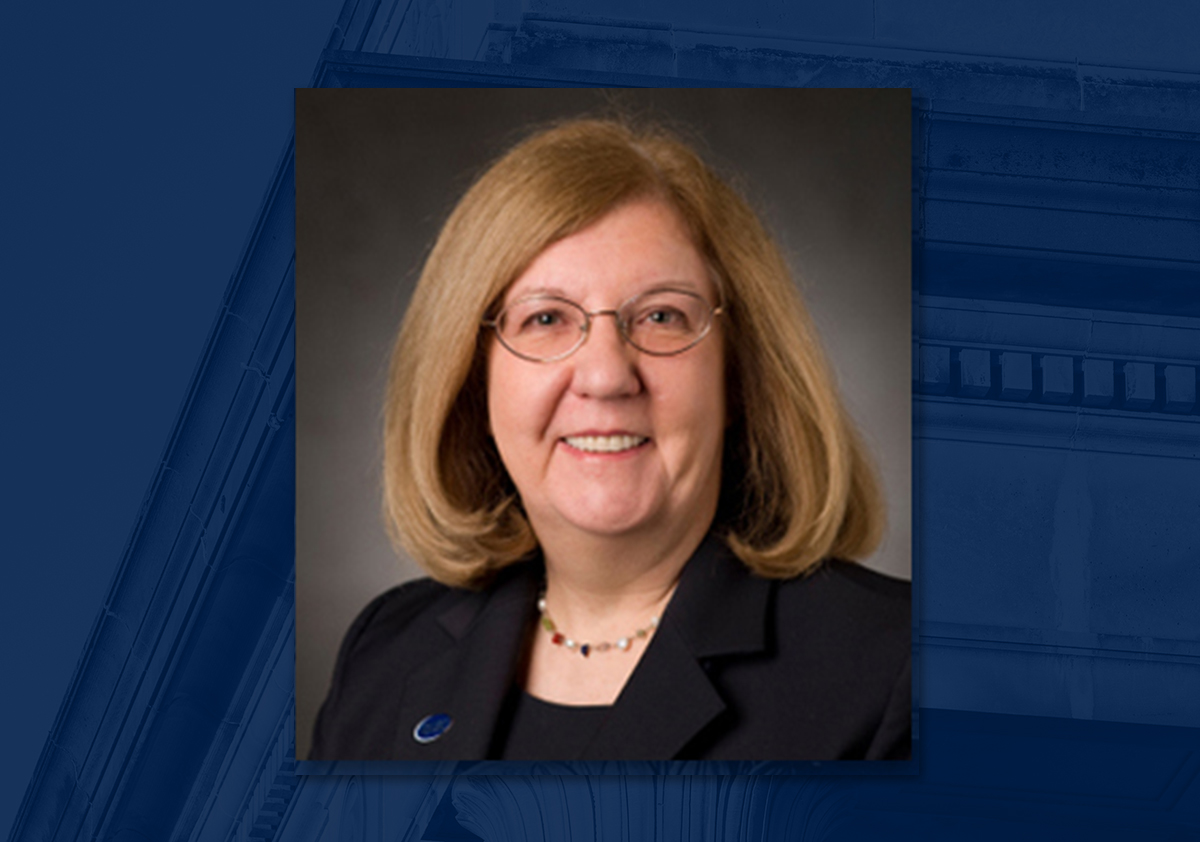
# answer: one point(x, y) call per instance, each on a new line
point(597, 584)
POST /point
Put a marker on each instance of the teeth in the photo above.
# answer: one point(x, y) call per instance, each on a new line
point(604, 444)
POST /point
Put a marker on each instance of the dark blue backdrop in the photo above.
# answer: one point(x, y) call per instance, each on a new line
point(147, 266)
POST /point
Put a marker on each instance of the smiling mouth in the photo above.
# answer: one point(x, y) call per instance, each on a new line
point(605, 444)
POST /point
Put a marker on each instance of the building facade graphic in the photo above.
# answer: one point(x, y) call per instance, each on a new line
point(1056, 313)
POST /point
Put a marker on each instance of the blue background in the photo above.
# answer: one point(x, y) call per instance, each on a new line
point(1057, 205)
point(138, 146)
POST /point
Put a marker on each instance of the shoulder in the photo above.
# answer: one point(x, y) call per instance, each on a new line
point(856, 594)
point(853, 577)
point(853, 626)
point(824, 666)
point(385, 642)
point(860, 616)
point(393, 620)
point(395, 609)
point(415, 646)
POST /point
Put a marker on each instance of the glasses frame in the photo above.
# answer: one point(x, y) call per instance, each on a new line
point(622, 324)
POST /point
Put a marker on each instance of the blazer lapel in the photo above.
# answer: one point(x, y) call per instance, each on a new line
point(719, 610)
point(471, 678)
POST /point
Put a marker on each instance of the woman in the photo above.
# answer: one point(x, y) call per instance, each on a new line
point(612, 440)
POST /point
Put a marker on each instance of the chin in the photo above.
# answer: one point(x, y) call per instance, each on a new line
point(612, 525)
point(612, 517)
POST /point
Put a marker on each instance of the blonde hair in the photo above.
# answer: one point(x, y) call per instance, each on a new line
point(796, 483)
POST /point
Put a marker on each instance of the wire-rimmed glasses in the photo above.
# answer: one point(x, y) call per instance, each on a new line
point(547, 328)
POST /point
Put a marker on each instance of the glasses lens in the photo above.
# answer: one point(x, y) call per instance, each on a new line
point(666, 321)
point(541, 327)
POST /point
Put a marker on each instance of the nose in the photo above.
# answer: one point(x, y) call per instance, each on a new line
point(606, 365)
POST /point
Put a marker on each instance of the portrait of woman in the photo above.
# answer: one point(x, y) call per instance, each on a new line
point(613, 443)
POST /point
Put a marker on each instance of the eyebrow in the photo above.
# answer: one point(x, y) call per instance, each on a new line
point(678, 284)
point(540, 290)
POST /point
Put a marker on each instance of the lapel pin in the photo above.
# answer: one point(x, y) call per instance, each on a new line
point(432, 727)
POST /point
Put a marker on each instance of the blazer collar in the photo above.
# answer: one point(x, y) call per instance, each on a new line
point(471, 678)
point(719, 609)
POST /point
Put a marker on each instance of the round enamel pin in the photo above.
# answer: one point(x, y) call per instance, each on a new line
point(432, 727)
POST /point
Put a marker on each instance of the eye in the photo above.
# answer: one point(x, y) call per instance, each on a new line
point(662, 317)
point(542, 318)
point(665, 316)
point(539, 317)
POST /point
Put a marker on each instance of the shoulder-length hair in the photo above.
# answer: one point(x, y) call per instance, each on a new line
point(796, 483)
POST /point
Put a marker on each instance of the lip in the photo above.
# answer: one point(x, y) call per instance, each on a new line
point(601, 454)
point(612, 432)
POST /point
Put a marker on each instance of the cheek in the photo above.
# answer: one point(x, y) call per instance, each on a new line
point(710, 425)
point(691, 405)
point(521, 399)
point(709, 408)
point(705, 397)
point(500, 390)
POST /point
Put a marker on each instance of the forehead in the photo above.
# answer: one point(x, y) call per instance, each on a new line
point(634, 247)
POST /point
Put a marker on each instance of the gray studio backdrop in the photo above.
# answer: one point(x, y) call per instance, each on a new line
point(377, 171)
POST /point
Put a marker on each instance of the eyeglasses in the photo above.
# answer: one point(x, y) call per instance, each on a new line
point(548, 328)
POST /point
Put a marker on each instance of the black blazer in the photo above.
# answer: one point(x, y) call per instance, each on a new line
point(740, 668)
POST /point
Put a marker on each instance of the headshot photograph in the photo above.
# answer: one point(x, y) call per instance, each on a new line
point(603, 425)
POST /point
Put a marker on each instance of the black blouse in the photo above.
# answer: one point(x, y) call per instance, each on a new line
point(541, 730)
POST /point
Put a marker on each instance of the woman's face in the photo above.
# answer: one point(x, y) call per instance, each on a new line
point(610, 440)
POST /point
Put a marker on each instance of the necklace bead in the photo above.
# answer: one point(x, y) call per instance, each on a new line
point(622, 644)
